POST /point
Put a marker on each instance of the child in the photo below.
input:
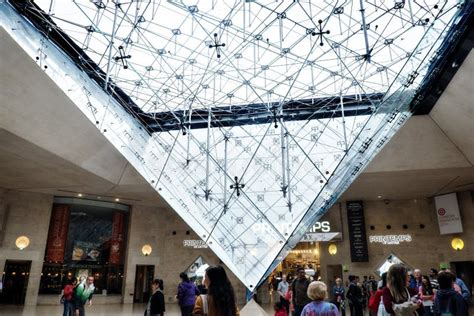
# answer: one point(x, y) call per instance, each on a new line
point(279, 309)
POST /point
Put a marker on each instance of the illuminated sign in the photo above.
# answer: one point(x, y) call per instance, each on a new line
point(196, 244)
point(299, 251)
point(319, 237)
point(320, 226)
point(390, 239)
point(324, 227)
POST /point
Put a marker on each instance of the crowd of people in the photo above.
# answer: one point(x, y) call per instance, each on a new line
point(216, 298)
point(399, 292)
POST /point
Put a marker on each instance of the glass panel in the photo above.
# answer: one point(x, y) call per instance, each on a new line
point(391, 260)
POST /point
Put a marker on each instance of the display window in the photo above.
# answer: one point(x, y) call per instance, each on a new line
point(86, 238)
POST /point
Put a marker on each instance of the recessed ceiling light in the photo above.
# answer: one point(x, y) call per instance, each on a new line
point(379, 196)
point(98, 197)
point(79, 194)
point(117, 200)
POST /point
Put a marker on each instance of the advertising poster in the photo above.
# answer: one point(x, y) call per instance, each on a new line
point(86, 251)
point(447, 209)
point(57, 235)
point(116, 243)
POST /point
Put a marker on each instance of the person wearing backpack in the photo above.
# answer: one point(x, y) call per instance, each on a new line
point(448, 302)
point(397, 296)
point(68, 297)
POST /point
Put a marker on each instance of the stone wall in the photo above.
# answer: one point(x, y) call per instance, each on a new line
point(426, 250)
point(29, 215)
point(155, 226)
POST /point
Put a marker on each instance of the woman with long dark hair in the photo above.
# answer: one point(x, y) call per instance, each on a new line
point(220, 298)
point(397, 295)
point(427, 295)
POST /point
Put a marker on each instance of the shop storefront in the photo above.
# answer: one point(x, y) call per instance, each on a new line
point(85, 238)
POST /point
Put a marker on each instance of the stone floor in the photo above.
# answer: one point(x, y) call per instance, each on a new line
point(100, 310)
point(94, 310)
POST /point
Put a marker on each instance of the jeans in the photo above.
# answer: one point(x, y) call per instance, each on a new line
point(68, 308)
point(80, 307)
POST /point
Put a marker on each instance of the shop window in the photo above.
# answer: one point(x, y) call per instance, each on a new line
point(86, 238)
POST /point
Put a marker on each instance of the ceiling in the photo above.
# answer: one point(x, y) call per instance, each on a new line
point(45, 151)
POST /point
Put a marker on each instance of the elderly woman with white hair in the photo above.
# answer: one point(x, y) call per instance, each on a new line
point(318, 292)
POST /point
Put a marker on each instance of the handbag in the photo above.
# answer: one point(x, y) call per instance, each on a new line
point(374, 302)
point(288, 295)
point(407, 308)
point(205, 307)
point(62, 299)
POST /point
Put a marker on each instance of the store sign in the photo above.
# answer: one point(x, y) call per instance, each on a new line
point(320, 231)
point(357, 234)
point(300, 251)
point(193, 243)
point(324, 227)
point(447, 209)
point(390, 239)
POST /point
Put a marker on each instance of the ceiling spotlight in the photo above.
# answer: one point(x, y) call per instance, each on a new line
point(379, 197)
point(117, 200)
point(79, 194)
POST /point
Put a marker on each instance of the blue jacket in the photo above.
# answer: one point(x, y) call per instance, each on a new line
point(448, 301)
point(464, 290)
point(187, 293)
point(414, 284)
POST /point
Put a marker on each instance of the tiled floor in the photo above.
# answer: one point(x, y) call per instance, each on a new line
point(94, 310)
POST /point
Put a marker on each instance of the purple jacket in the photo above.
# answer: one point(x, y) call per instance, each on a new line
point(187, 293)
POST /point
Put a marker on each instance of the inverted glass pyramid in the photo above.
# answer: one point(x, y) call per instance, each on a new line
point(250, 118)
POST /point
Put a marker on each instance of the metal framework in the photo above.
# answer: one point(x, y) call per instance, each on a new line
point(249, 117)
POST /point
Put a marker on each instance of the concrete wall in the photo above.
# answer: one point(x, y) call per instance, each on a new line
point(155, 226)
point(29, 215)
point(428, 248)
